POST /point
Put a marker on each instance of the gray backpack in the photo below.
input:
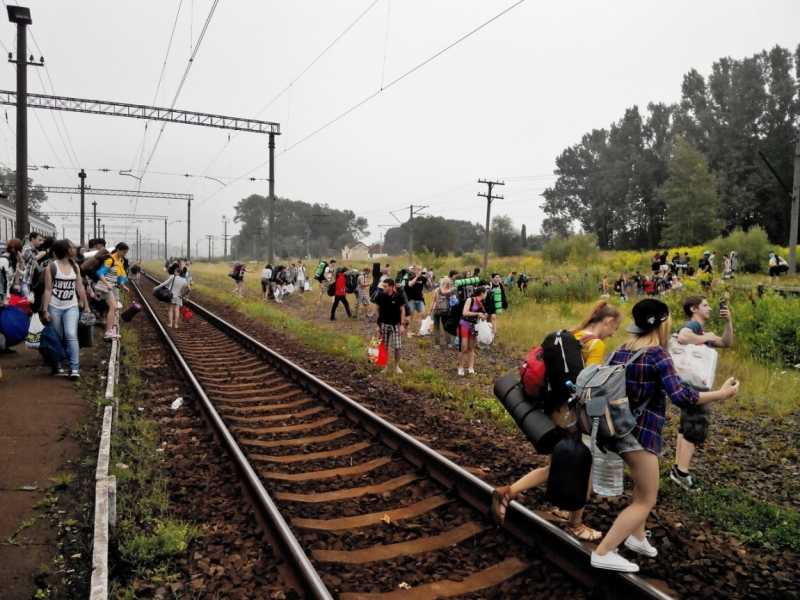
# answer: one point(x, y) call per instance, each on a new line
point(601, 401)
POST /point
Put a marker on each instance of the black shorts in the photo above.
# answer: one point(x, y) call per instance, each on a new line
point(773, 271)
point(695, 421)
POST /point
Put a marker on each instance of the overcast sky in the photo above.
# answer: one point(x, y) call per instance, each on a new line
point(501, 104)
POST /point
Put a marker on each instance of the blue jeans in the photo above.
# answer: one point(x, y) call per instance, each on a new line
point(65, 322)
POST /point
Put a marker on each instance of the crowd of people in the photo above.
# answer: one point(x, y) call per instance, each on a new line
point(58, 282)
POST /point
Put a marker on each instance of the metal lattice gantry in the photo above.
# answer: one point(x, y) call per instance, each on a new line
point(139, 111)
point(47, 189)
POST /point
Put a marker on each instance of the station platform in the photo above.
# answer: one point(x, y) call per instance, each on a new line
point(39, 418)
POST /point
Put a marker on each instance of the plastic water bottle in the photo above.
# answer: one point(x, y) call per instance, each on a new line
point(607, 473)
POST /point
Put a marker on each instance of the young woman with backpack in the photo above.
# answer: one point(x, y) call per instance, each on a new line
point(651, 378)
point(111, 275)
point(64, 297)
point(472, 314)
point(177, 284)
point(598, 325)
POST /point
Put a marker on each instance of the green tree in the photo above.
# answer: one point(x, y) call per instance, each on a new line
point(8, 183)
point(505, 237)
point(690, 195)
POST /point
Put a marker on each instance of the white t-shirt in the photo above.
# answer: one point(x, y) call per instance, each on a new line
point(328, 273)
point(266, 273)
point(301, 274)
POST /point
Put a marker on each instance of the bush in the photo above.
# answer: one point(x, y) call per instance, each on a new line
point(578, 249)
point(471, 259)
point(753, 247)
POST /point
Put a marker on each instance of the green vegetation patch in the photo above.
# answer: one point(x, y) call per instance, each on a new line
point(734, 511)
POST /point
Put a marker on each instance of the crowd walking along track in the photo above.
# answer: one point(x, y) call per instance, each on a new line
point(357, 508)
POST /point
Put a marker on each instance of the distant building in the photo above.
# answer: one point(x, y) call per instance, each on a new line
point(357, 251)
point(376, 251)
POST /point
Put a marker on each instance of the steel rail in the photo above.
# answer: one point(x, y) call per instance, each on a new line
point(278, 534)
point(559, 547)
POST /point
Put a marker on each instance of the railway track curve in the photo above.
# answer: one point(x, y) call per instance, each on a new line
point(357, 508)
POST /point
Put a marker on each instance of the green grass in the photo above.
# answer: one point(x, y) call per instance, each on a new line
point(734, 511)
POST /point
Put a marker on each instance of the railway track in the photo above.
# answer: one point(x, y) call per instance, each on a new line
point(356, 507)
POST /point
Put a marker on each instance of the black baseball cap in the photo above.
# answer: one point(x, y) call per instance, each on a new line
point(648, 315)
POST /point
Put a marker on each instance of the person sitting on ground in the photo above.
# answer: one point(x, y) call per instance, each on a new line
point(650, 377)
point(604, 287)
point(472, 314)
point(600, 323)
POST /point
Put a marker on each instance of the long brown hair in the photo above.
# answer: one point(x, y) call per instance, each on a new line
point(599, 312)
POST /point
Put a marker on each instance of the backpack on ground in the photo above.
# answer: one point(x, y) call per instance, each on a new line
point(549, 367)
point(351, 282)
point(601, 400)
point(320, 274)
point(90, 266)
point(236, 271)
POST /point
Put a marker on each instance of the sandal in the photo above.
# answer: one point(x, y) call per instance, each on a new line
point(584, 533)
point(501, 498)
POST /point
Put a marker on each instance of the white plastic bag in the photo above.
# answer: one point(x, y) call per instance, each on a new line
point(34, 332)
point(426, 327)
point(696, 364)
point(307, 286)
point(176, 404)
point(288, 289)
point(484, 331)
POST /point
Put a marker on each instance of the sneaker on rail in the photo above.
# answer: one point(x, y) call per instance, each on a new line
point(74, 374)
point(613, 562)
point(643, 547)
point(685, 481)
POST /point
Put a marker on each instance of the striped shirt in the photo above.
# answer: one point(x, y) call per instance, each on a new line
point(653, 376)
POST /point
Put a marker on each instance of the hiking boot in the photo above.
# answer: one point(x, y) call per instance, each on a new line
point(74, 374)
point(642, 547)
point(613, 562)
point(685, 481)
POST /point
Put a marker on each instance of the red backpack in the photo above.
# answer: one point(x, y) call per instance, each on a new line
point(532, 373)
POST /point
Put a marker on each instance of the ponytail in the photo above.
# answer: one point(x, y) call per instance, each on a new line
point(600, 311)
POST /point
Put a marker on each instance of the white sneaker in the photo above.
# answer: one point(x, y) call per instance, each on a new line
point(398, 370)
point(471, 371)
point(461, 372)
point(642, 547)
point(613, 562)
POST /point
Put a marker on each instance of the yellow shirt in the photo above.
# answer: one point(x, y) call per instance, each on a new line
point(594, 351)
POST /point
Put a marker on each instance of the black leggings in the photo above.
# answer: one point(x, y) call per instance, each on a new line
point(336, 301)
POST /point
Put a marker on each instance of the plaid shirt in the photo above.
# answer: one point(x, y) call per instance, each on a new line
point(653, 376)
point(29, 263)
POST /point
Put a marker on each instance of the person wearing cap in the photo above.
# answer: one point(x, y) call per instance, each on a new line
point(651, 378)
point(704, 268)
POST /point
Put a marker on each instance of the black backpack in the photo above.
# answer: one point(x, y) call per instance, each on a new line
point(236, 271)
point(90, 266)
point(351, 282)
point(563, 362)
point(453, 320)
point(277, 273)
point(402, 278)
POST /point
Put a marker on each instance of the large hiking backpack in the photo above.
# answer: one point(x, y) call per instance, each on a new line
point(90, 266)
point(465, 287)
point(277, 273)
point(351, 282)
point(601, 400)
point(236, 271)
point(549, 367)
point(320, 274)
point(453, 320)
point(402, 278)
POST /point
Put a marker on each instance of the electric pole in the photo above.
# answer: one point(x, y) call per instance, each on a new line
point(271, 197)
point(257, 242)
point(209, 238)
point(225, 222)
point(94, 219)
point(98, 229)
point(489, 197)
point(795, 211)
point(319, 217)
point(411, 213)
point(82, 176)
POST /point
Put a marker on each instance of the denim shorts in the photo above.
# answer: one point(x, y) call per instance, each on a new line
point(416, 306)
point(629, 443)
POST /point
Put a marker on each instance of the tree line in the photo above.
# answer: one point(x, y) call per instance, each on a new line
point(685, 173)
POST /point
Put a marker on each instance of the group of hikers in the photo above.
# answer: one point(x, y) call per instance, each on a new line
point(56, 281)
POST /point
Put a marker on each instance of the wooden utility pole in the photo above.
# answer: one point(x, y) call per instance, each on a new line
point(209, 238)
point(82, 176)
point(795, 211)
point(225, 222)
point(489, 197)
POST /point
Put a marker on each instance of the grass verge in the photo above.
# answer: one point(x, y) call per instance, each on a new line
point(148, 538)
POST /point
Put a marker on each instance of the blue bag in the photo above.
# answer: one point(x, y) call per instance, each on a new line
point(50, 347)
point(13, 325)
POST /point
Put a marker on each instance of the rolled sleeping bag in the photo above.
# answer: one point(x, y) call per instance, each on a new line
point(497, 297)
point(532, 420)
